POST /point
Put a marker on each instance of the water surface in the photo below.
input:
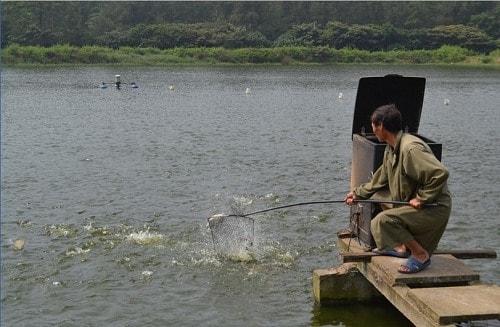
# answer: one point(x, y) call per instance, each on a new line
point(111, 190)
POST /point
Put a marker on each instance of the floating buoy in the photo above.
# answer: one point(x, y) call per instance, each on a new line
point(118, 84)
point(446, 102)
point(340, 95)
point(247, 91)
point(118, 81)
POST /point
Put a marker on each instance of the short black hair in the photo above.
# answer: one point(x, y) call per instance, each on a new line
point(389, 116)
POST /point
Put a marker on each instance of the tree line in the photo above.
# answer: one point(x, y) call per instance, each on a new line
point(371, 25)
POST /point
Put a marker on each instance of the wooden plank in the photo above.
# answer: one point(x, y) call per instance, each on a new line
point(459, 254)
point(444, 270)
point(446, 305)
point(470, 254)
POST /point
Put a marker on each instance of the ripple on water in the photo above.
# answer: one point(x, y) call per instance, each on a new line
point(111, 190)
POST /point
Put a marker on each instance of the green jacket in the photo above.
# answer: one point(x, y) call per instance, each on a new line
point(409, 169)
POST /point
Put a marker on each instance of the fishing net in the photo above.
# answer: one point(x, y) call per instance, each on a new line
point(232, 234)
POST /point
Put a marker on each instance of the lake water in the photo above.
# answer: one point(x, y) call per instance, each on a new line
point(111, 190)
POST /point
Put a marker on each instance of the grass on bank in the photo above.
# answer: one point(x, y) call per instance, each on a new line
point(15, 55)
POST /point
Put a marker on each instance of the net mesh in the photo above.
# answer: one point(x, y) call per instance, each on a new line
point(232, 234)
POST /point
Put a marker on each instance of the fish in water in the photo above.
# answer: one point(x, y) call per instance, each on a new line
point(18, 244)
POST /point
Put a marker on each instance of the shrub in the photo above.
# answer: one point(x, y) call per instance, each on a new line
point(450, 54)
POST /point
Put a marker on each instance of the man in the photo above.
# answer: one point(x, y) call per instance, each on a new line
point(410, 172)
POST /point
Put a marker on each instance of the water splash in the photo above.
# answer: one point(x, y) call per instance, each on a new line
point(147, 275)
point(145, 237)
point(76, 251)
point(61, 230)
point(240, 255)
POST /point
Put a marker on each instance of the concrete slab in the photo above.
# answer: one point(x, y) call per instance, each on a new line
point(445, 293)
point(349, 244)
point(444, 269)
point(458, 304)
point(342, 285)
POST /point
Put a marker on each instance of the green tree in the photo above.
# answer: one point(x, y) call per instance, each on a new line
point(300, 35)
point(370, 24)
point(489, 22)
point(460, 35)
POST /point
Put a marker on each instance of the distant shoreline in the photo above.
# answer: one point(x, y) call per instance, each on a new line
point(66, 55)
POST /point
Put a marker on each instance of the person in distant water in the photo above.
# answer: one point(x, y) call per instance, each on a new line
point(410, 172)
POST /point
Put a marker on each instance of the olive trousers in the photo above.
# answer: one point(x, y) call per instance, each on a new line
point(396, 226)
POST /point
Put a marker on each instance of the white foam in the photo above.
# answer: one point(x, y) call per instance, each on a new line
point(145, 237)
point(76, 251)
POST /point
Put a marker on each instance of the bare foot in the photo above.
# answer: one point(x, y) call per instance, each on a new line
point(400, 249)
point(417, 252)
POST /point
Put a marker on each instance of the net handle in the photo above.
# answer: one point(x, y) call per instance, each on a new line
point(327, 202)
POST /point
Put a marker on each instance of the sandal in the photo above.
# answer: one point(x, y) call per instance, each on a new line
point(391, 253)
point(414, 266)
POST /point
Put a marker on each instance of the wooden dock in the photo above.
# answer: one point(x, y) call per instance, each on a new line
point(446, 293)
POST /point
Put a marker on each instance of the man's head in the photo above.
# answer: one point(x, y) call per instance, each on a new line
point(388, 116)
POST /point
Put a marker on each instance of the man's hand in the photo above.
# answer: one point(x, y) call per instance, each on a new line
point(350, 198)
point(416, 203)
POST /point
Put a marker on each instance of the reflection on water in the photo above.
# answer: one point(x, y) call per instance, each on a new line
point(379, 313)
